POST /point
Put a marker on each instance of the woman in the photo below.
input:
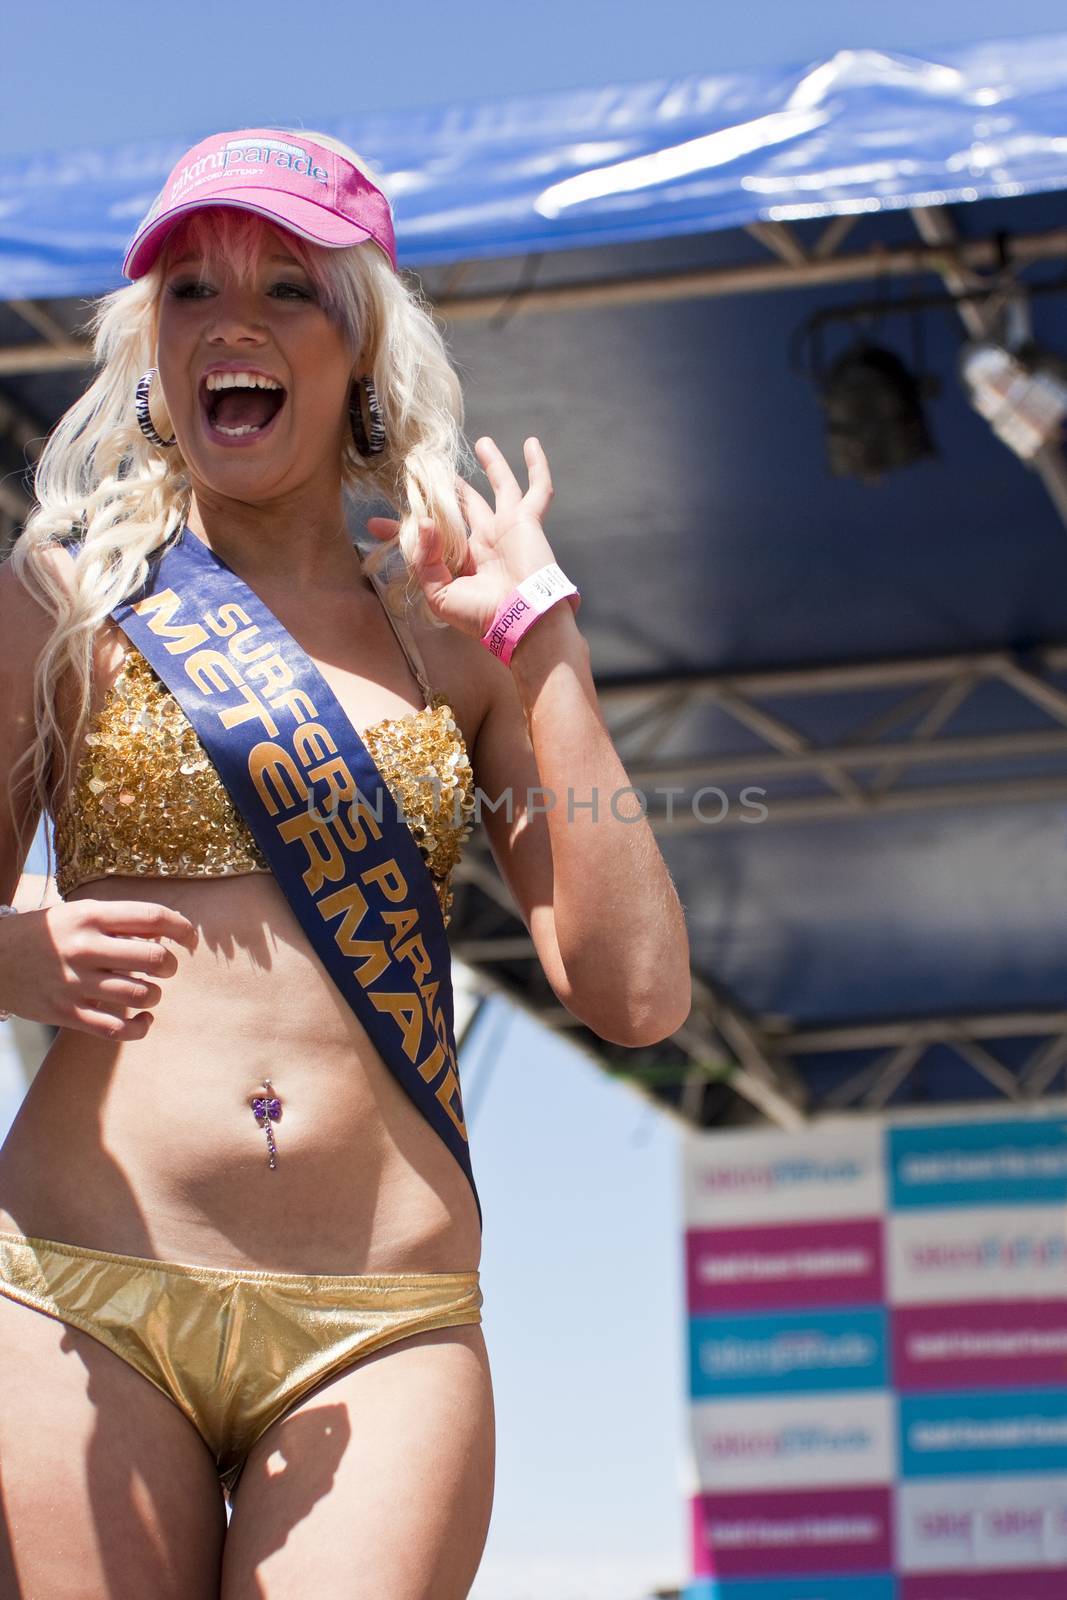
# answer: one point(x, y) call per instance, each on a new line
point(242, 1171)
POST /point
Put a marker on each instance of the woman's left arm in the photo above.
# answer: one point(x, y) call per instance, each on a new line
point(578, 854)
point(566, 829)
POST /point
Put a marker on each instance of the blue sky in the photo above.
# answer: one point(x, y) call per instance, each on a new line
point(578, 1176)
point(109, 71)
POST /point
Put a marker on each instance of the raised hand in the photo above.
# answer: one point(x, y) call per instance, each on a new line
point(507, 540)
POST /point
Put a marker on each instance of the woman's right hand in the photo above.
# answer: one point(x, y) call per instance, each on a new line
point(86, 964)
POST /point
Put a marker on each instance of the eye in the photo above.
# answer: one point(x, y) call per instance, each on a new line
point(189, 291)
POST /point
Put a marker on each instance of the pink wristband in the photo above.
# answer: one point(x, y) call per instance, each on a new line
point(527, 601)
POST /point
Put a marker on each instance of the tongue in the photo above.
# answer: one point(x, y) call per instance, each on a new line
point(238, 408)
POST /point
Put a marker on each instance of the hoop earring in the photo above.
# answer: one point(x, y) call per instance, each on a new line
point(144, 416)
point(368, 433)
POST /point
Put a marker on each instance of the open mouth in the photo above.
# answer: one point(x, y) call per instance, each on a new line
point(239, 415)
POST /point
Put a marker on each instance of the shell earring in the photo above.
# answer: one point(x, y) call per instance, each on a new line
point(144, 416)
point(368, 432)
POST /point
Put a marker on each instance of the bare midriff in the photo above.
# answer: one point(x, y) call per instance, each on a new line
point(150, 1147)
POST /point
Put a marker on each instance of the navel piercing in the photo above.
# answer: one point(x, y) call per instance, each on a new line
point(267, 1109)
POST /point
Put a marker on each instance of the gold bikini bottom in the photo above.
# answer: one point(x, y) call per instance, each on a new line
point(233, 1348)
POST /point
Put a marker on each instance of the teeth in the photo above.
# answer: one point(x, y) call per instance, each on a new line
point(235, 433)
point(239, 380)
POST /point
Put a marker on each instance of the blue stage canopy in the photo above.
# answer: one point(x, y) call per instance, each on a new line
point(863, 131)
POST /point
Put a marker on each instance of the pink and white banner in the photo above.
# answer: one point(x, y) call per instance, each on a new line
point(877, 1321)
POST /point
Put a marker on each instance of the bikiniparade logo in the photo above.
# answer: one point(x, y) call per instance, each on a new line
point(235, 155)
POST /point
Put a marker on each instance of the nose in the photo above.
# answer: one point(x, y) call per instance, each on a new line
point(234, 318)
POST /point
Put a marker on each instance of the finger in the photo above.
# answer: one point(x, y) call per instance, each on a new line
point(136, 955)
point(430, 567)
point(539, 495)
point(108, 1025)
point(144, 917)
point(383, 527)
point(475, 511)
point(429, 560)
point(501, 478)
point(476, 508)
point(127, 991)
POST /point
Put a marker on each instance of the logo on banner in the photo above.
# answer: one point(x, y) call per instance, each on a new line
point(1013, 1522)
point(952, 1256)
point(994, 1431)
point(793, 1443)
point(780, 1352)
point(980, 1164)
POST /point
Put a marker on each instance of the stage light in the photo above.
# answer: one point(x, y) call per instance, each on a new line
point(1023, 396)
point(874, 415)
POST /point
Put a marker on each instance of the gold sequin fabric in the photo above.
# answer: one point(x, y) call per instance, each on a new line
point(147, 802)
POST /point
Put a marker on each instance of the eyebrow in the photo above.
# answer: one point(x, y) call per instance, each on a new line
point(193, 256)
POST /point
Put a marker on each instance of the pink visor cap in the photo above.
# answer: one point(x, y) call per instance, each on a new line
point(304, 186)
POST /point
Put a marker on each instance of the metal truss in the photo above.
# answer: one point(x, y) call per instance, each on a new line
point(727, 1068)
point(897, 756)
point(797, 266)
point(724, 1066)
point(718, 1066)
point(896, 1051)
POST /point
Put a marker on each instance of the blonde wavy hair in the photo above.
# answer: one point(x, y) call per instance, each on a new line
point(101, 479)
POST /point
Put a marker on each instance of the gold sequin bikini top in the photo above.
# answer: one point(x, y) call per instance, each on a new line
point(146, 801)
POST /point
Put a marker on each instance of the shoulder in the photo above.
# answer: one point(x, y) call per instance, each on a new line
point(460, 668)
point(31, 584)
point(28, 615)
point(34, 583)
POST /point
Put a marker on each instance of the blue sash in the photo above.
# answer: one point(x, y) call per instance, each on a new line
point(319, 809)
